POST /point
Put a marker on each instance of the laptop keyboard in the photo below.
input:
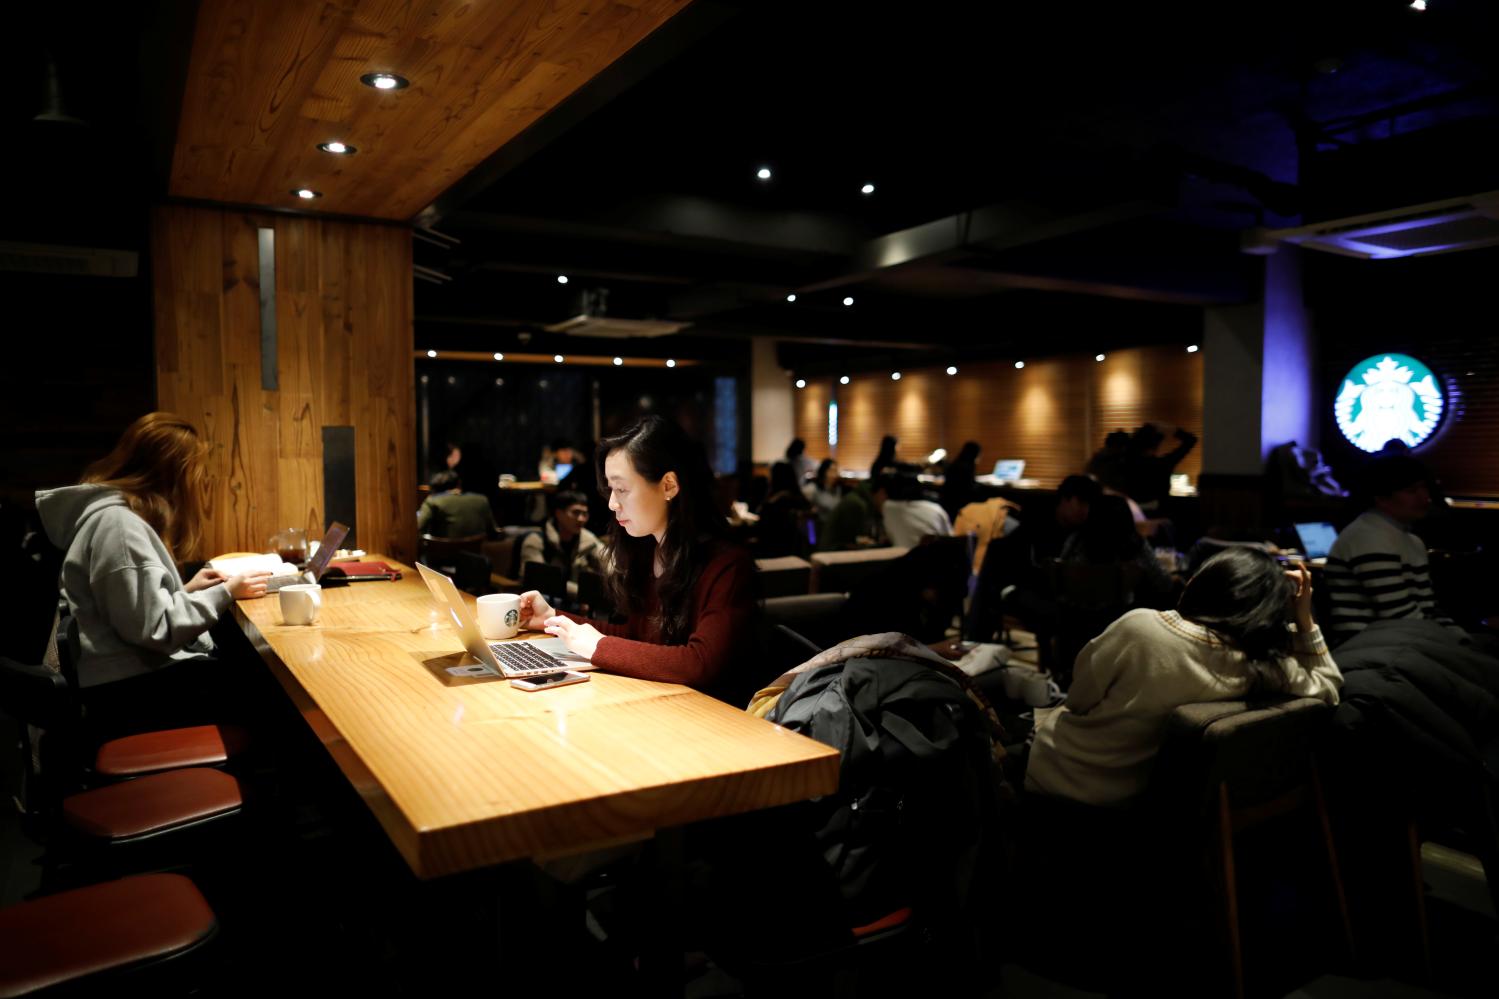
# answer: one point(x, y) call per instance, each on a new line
point(523, 657)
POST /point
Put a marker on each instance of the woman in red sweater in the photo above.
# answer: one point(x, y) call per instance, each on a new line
point(688, 594)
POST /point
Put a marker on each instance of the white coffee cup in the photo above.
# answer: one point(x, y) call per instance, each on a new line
point(499, 615)
point(300, 603)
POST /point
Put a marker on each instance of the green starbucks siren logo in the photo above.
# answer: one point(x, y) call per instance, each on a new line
point(1388, 397)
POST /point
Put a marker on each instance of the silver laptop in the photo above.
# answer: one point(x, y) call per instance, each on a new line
point(1009, 469)
point(510, 659)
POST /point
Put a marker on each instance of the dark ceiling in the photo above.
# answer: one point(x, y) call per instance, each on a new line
point(1045, 174)
point(1059, 168)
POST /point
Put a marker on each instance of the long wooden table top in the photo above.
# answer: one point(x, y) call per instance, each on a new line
point(465, 772)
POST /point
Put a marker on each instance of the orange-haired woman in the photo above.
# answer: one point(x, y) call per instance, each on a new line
point(123, 529)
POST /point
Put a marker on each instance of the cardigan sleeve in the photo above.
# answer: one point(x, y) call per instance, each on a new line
point(725, 601)
point(1310, 672)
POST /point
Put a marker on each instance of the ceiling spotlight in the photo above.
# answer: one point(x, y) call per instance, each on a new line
point(848, 300)
point(867, 189)
point(895, 376)
point(801, 383)
point(618, 361)
point(557, 358)
point(431, 353)
point(763, 173)
point(791, 297)
point(1019, 365)
point(1191, 348)
point(952, 369)
point(562, 279)
point(385, 81)
point(337, 148)
point(670, 363)
point(307, 193)
point(1418, 4)
point(1098, 357)
point(498, 356)
point(843, 380)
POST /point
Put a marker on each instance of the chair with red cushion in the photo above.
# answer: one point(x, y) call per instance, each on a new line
point(133, 933)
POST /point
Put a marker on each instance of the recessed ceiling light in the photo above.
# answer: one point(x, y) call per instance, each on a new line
point(801, 383)
point(337, 148)
point(307, 193)
point(952, 370)
point(431, 353)
point(1191, 348)
point(670, 363)
point(452, 380)
point(1019, 365)
point(867, 189)
point(498, 356)
point(499, 381)
point(1097, 357)
point(895, 376)
point(562, 279)
point(848, 300)
point(763, 173)
point(385, 81)
point(557, 358)
point(791, 297)
point(1418, 4)
point(618, 361)
point(843, 380)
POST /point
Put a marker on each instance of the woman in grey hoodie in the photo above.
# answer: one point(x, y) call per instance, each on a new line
point(122, 529)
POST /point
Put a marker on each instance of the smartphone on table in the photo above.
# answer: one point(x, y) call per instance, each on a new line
point(546, 681)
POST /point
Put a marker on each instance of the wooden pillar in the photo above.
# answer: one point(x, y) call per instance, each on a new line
point(342, 358)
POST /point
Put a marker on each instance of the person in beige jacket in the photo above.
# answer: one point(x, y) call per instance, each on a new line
point(1243, 628)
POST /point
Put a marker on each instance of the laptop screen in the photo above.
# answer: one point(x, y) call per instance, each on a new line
point(1316, 539)
point(318, 564)
point(1009, 469)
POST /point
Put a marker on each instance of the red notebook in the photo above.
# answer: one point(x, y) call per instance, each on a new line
point(358, 572)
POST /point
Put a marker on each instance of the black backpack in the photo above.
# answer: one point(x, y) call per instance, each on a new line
point(919, 788)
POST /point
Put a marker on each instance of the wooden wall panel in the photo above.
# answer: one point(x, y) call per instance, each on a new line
point(1053, 413)
point(343, 312)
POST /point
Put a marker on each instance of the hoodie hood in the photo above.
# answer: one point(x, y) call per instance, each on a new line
point(64, 510)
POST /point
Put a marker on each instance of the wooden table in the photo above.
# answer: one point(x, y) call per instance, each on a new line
point(464, 773)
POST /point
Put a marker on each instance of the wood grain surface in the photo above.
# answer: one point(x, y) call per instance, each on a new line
point(269, 80)
point(343, 310)
point(468, 772)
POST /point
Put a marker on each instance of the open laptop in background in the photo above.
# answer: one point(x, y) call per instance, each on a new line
point(318, 564)
point(508, 658)
point(1316, 540)
point(1009, 469)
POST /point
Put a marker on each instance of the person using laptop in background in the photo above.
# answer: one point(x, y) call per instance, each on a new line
point(143, 653)
point(687, 593)
point(1377, 568)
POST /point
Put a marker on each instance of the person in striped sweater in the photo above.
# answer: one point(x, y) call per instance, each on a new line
point(1377, 568)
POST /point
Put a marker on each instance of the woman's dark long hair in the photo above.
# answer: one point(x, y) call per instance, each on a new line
point(885, 458)
point(655, 446)
point(1242, 595)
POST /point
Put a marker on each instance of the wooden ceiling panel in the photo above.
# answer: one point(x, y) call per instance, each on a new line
point(270, 79)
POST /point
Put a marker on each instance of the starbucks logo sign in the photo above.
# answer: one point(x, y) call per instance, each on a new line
point(1389, 397)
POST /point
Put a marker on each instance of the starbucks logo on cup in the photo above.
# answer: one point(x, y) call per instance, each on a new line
point(512, 618)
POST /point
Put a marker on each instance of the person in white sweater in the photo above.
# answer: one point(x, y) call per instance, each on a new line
point(1243, 628)
point(122, 530)
point(907, 517)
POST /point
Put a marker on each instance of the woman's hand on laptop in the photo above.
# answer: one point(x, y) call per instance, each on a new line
point(582, 639)
point(251, 584)
point(203, 579)
point(535, 611)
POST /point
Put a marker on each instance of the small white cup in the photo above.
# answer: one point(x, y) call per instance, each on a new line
point(499, 615)
point(300, 603)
